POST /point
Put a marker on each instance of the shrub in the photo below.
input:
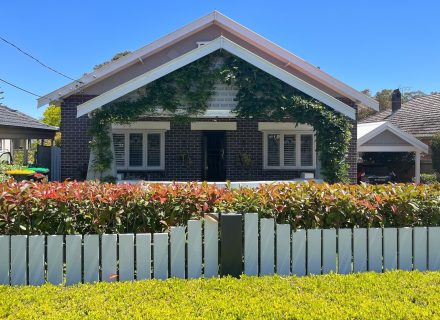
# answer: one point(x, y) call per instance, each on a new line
point(391, 295)
point(90, 207)
point(428, 178)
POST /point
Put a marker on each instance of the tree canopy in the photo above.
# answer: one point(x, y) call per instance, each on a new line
point(52, 116)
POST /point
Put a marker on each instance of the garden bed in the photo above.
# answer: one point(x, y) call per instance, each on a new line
point(392, 295)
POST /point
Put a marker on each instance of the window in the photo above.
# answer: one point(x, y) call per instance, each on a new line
point(139, 150)
point(289, 150)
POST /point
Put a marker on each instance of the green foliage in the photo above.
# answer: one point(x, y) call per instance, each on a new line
point(90, 207)
point(52, 116)
point(115, 57)
point(389, 295)
point(428, 178)
point(435, 147)
point(185, 92)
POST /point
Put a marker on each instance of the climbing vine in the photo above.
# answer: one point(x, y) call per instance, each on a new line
point(184, 93)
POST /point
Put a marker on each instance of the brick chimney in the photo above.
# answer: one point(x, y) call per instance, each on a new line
point(396, 100)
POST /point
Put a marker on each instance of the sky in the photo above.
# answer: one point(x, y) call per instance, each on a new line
point(366, 44)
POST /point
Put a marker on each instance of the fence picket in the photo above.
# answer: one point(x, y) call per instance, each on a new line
point(267, 243)
point(73, 259)
point(194, 249)
point(405, 249)
point(390, 249)
point(299, 252)
point(4, 259)
point(328, 251)
point(55, 250)
point(420, 247)
point(126, 257)
point(211, 245)
point(160, 255)
point(314, 251)
point(177, 240)
point(36, 260)
point(433, 248)
point(375, 249)
point(18, 260)
point(108, 253)
point(283, 249)
point(360, 250)
point(143, 256)
point(344, 251)
point(91, 258)
point(251, 244)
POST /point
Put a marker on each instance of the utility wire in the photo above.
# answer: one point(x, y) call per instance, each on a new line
point(15, 86)
point(38, 61)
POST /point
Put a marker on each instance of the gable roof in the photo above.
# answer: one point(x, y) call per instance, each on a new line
point(193, 55)
point(367, 131)
point(14, 118)
point(237, 30)
point(419, 116)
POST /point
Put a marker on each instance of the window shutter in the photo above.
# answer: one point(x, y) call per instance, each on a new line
point(119, 148)
point(273, 150)
point(290, 150)
point(136, 149)
point(153, 152)
point(306, 150)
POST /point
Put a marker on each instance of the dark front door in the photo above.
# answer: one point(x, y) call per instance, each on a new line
point(214, 156)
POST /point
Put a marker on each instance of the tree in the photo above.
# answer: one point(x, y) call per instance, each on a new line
point(435, 147)
point(115, 57)
point(52, 116)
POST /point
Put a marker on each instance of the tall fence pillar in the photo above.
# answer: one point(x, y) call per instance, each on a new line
point(231, 253)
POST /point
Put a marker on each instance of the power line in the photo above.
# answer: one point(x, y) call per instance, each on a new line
point(38, 61)
point(19, 88)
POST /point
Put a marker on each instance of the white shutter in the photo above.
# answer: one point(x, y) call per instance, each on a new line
point(153, 149)
point(306, 150)
point(289, 150)
point(273, 150)
point(119, 147)
point(136, 150)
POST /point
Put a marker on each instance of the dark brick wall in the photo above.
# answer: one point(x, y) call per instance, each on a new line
point(75, 149)
point(180, 141)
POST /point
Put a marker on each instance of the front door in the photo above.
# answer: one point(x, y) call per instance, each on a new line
point(214, 156)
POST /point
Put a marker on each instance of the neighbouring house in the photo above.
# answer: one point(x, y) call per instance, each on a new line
point(419, 117)
point(18, 129)
point(217, 145)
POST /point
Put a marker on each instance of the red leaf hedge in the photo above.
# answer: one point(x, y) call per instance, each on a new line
point(90, 207)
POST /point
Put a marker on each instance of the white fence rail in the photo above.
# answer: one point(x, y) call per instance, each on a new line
point(193, 252)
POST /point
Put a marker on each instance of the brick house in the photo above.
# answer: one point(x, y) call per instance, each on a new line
point(216, 146)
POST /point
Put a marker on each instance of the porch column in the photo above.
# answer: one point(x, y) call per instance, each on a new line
point(417, 167)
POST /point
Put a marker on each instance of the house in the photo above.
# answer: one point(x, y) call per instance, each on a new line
point(18, 129)
point(213, 146)
point(419, 117)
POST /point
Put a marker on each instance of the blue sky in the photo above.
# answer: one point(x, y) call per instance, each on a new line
point(366, 44)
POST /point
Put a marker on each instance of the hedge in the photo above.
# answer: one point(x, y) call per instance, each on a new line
point(90, 207)
point(391, 295)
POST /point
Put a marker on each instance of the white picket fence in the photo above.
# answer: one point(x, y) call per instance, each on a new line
point(193, 252)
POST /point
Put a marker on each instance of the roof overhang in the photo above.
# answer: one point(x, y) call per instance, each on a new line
point(235, 28)
point(231, 47)
point(367, 131)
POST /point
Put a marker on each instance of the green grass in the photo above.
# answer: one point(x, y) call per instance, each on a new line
point(392, 295)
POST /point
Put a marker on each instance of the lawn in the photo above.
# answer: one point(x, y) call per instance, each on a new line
point(362, 296)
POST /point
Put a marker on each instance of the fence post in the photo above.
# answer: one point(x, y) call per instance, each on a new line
point(231, 254)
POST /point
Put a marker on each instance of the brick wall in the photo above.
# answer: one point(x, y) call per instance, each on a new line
point(75, 149)
point(181, 142)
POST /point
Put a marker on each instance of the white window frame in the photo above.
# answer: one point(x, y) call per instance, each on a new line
point(144, 166)
point(298, 134)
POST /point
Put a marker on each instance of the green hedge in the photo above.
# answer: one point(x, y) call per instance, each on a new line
point(391, 295)
point(88, 207)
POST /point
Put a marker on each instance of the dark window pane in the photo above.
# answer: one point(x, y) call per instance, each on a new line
point(153, 152)
point(289, 150)
point(136, 149)
point(273, 150)
point(119, 147)
point(307, 150)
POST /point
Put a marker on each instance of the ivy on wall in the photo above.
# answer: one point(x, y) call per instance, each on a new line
point(184, 93)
